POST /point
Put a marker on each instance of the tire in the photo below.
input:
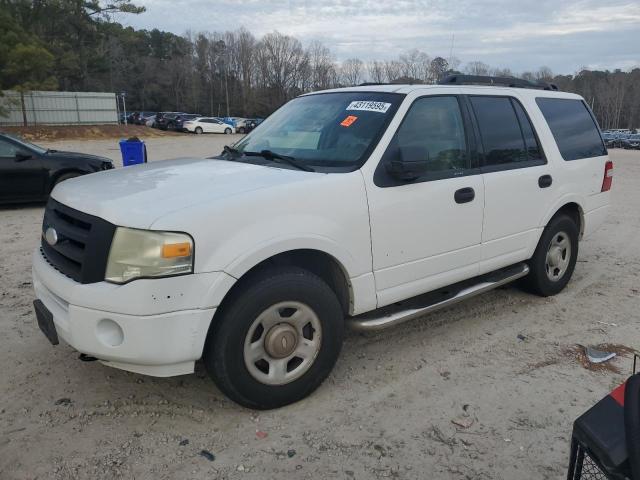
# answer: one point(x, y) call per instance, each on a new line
point(66, 176)
point(198, 130)
point(241, 130)
point(227, 131)
point(242, 327)
point(555, 257)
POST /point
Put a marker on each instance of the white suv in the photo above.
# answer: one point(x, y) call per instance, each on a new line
point(362, 206)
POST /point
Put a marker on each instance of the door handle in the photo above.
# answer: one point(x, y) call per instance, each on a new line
point(545, 181)
point(464, 195)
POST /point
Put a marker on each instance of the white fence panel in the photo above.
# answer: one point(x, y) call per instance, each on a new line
point(59, 108)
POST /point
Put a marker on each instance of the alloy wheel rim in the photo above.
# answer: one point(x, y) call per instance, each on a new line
point(282, 343)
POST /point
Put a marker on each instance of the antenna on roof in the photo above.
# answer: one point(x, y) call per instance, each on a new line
point(453, 37)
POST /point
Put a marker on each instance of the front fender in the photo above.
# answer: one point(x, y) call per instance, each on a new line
point(242, 264)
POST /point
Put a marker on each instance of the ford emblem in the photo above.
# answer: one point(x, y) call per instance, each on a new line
point(51, 236)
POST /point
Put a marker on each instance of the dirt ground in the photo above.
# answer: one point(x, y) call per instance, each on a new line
point(50, 133)
point(501, 366)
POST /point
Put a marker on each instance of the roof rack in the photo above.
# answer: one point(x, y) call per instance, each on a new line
point(497, 81)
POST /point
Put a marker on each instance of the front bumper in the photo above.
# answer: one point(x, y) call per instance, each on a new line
point(156, 327)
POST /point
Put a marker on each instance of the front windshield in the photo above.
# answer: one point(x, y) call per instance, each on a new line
point(326, 132)
point(29, 145)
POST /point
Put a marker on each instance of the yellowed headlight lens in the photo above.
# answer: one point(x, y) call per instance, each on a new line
point(146, 253)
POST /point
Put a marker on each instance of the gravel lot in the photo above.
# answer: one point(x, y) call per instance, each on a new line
point(387, 409)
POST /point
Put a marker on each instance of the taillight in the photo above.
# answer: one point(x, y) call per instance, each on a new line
point(608, 176)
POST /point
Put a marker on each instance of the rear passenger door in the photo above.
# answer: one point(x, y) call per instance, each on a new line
point(517, 180)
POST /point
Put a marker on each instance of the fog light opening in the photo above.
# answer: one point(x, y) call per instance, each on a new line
point(109, 333)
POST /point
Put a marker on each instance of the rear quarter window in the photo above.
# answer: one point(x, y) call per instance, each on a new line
point(574, 128)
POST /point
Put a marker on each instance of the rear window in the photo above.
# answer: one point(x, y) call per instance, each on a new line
point(575, 130)
point(507, 135)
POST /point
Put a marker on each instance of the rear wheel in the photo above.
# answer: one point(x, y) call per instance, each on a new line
point(555, 257)
point(276, 339)
point(227, 131)
point(198, 130)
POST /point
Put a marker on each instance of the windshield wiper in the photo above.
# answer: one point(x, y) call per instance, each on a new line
point(230, 150)
point(276, 157)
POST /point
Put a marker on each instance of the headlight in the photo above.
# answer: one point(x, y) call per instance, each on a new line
point(146, 253)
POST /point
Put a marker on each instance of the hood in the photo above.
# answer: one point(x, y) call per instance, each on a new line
point(76, 155)
point(136, 196)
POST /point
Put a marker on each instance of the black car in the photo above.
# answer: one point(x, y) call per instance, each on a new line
point(178, 122)
point(133, 117)
point(632, 142)
point(29, 172)
point(252, 123)
point(166, 120)
point(144, 116)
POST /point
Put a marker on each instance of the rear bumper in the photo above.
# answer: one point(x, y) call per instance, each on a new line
point(161, 343)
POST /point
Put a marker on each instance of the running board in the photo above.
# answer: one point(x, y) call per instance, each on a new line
point(430, 302)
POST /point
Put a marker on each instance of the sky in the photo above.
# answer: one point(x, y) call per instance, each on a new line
point(564, 35)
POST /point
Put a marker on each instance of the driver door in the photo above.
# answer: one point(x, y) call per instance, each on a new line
point(426, 232)
point(20, 178)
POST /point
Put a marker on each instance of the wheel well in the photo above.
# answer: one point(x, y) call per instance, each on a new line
point(574, 211)
point(322, 264)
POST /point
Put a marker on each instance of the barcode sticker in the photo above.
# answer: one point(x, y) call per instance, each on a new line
point(369, 106)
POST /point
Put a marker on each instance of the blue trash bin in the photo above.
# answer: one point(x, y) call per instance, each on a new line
point(134, 151)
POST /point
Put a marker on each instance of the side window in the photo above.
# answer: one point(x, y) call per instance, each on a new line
point(534, 152)
point(574, 129)
point(7, 149)
point(502, 138)
point(434, 125)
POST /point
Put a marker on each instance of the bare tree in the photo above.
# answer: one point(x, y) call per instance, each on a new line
point(392, 70)
point(351, 71)
point(376, 71)
point(321, 62)
point(477, 68)
point(544, 74)
point(279, 59)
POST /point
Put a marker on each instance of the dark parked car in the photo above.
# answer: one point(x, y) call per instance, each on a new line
point(29, 172)
point(632, 142)
point(610, 140)
point(144, 117)
point(177, 123)
point(165, 120)
point(251, 124)
point(132, 118)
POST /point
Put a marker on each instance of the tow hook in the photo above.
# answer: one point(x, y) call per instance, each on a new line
point(86, 358)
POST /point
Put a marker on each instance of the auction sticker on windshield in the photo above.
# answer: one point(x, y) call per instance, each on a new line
point(369, 106)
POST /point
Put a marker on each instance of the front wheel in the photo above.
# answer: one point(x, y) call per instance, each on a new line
point(199, 130)
point(227, 131)
point(276, 339)
point(555, 257)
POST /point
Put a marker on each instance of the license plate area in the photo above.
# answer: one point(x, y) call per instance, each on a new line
point(45, 322)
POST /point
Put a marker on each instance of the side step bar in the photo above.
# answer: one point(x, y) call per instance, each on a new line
point(430, 302)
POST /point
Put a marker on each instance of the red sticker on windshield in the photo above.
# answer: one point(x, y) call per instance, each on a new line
point(347, 122)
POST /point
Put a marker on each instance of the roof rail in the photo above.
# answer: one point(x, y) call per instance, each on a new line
point(498, 81)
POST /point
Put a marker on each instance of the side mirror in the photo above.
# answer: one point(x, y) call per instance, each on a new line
point(21, 156)
point(411, 163)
